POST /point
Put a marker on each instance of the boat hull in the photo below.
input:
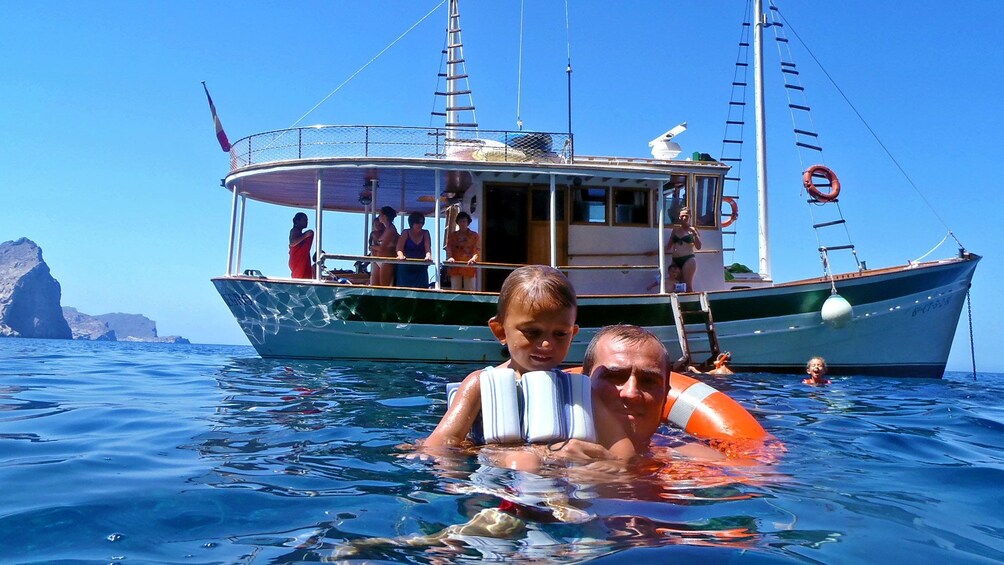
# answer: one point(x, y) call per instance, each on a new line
point(903, 321)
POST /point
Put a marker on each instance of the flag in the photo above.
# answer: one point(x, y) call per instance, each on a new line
point(220, 134)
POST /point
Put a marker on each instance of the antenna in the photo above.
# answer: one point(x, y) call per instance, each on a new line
point(662, 146)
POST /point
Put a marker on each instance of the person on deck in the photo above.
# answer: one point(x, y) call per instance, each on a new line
point(388, 246)
point(683, 241)
point(414, 244)
point(374, 249)
point(463, 245)
point(299, 248)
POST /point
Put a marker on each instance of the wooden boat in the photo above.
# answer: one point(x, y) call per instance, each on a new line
point(601, 220)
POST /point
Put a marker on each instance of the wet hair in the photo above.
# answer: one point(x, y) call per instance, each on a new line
point(821, 360)
point(299, 216)
point(633, 335)
point(416, 218)
point(389, 212)
point(463, 215)
point(537, 287)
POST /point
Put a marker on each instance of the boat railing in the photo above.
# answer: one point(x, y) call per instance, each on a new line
point(325, 142)
point(358, 260)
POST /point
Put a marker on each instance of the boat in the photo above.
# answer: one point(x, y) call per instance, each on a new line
point(601, 220)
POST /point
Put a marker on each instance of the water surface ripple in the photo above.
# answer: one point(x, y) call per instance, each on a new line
point(160, 453)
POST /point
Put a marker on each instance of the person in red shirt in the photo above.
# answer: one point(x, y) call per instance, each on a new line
point(299, 248)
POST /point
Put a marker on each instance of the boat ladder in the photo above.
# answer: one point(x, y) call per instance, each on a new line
point(695, 328)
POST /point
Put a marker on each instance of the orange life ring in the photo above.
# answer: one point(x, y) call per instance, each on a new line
point(823, 172)
point(734, 215)
point(705, 412)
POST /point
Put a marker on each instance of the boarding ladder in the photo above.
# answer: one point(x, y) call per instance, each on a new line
point(693, 319)
point(810, 152)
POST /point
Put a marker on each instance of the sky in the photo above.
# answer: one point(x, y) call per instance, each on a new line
point(110, 164)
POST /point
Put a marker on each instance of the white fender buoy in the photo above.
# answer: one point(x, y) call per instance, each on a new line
point(836, 311)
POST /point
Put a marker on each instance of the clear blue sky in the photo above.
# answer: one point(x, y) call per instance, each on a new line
point(109, 162)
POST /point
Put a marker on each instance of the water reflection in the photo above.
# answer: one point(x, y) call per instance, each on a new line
point(331, 431)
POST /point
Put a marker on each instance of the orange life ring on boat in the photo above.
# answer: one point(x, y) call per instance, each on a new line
point(734, 215)
point(705, 412)
point(823, 172)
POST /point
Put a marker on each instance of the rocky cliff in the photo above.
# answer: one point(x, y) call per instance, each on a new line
point(29, 296)
point(116, 327)
point(30, 304)
point(85, 326)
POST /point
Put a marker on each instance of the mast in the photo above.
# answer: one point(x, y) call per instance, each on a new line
point(454, 56)
point(761, 139)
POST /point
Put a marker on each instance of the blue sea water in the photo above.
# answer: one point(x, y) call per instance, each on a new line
point(154, 453)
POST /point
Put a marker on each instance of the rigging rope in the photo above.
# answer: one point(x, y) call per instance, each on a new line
point(872, 132)
point(519, 71)
point(807, 139)
point(368, 63)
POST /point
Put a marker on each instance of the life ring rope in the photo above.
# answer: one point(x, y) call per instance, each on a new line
point(821, 171)
point(734, 214)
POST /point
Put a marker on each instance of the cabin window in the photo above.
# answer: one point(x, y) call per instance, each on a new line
point(540, 204)
point(631, 207)
point(675, 193)
point(706, 193)
point(589, 205)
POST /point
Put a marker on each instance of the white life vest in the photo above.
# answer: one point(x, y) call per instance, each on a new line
point(540, 407)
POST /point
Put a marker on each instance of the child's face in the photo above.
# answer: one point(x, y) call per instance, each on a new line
point(816, 369)
point(537, 341)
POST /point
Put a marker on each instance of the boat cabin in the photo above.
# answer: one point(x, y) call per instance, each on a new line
point(602, 220)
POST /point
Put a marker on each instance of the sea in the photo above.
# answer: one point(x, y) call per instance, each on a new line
point(157, 453)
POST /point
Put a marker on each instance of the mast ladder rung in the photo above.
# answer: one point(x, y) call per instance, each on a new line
point(790, 71)
point(737, 179)
point(457, 93)
point(735, 123)
point(799, 107)
point(835, 248)
point(787, 64)
point(806, 132)
point(825, 224)
point(459, 108)
point(461, 125)
point(808, 146)
point(739, 84)
point(732, 141)
point(439, 114)
point(737, 103)
point(730, 160)
point(454, 77)
point(455, 61)
point(781, 39)
point(729, 232)
point(795, 87)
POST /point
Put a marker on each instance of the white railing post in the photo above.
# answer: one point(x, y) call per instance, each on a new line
point(233, 228)
point(240, 231)
point(553, 224)
point(317, 233)
point(435, 238)
point(661, 245)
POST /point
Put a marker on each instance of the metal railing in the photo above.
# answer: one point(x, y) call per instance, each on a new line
point(320, 142)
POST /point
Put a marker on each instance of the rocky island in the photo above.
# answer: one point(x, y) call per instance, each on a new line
point(30, 304)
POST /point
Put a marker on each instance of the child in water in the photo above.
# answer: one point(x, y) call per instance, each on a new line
point(536, 323)
point(816, 368)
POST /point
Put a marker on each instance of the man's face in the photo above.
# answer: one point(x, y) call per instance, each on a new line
point(630, 380)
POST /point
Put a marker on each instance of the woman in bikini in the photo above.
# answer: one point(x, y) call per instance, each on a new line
point(683, 240)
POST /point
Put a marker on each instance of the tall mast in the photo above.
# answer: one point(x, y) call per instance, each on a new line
point(454, 57)
point(761, 139)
